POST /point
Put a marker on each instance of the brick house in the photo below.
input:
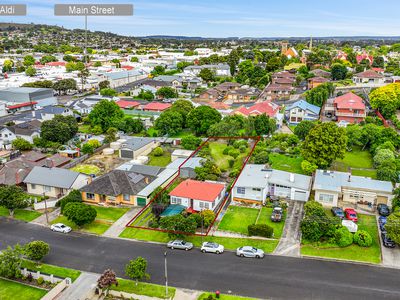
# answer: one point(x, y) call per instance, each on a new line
point(350, 108)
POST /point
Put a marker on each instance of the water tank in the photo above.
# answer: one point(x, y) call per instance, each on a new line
point(108, 151)
point(136, 162)
point(143, 159)
point(115, 145)
point(121, 141)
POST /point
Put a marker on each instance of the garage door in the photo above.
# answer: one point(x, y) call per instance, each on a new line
point(300, 196)
point(141, 201)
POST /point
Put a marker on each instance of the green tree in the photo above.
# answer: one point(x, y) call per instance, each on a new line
point(145, 95)
point(264, 125)
point(206, 74)
point(338, 71)
point(105, 113)
point(134, 59)
point(190, 142)
point(208, 171)
point(308, 168)
point(8, 64)
point(60, 129)
point(13, 197)
point(320, 94)
point(324, 143)
point(392, 226)
point(36, 250)
point(169, 122)
point(111, 135)
point(233, 60)
point(30, 71)
point(386, 99)
point(104, 84)
point(108, 92)
point(184, 107)
point(47, 58)
point(261, 158)
point(303, 128)
point(166, 92)
point(29, 60)
point(21, 144)
point(87, 149)
point(79, 213)
point(73, 196)
point(10, 262)
point(202, 118)
point(137, 269)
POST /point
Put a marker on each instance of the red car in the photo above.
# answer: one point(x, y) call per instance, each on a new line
point(351, 214)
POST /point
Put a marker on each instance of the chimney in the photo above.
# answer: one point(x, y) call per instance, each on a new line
point(146, 180)
point(291, 177)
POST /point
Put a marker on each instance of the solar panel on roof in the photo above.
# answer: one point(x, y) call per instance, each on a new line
point(135, 178)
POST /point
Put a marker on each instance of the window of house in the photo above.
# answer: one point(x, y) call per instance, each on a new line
point(47, 188)
point(241, 190)
point(90, 196)
point(33, 186)
point(204, 205)
point(257, 189)
point(326, 198)
point(175, 200)
point(127, 197)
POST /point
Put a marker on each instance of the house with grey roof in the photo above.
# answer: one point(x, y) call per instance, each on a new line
point(334, 188)
point(21, 95)
point(117, 187)
point(137, 146)
point(300, 111)
point(256, 183)
point(54, 182)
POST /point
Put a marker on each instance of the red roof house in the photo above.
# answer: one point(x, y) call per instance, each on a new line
point(349, 107)
point(198, 195)
point(369, 77)
point(267, 107)
point(56, 64)
point(156, 106)
point(124, 104)
point(365, 56)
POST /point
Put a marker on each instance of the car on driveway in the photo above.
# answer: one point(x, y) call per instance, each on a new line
point(387, 242)
point(382, 221)
point(248, 251)
point(212, 248)
point(351, 214)
point(180, 244)
point(337, 212)
point(276, 215)
point(60, 227)
point(383, 210)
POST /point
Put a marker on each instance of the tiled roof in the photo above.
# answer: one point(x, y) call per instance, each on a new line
point(157, 106)
point(260, 108)
point(199, 190)
point(349, 100)
point(369, 74)
point(127, 104)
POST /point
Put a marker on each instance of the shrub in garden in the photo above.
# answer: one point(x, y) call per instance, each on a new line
point(197, 218)
point(226, 150)
point(208, 217)
point(310, 229)
point(73, 196)
point(234, 153)
point(313, 208)
point(158, 151)
point(231, 163)
point(40, 280)
point(362, 238)
point(343, 237)
point(153, 223)
point(263, 230)
point(79, 213)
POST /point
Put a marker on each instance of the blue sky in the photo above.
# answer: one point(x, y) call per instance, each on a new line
point(224, 18)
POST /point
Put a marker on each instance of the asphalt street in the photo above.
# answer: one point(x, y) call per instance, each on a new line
point(274, 277)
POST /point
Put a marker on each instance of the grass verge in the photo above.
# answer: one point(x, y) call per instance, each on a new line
point(142, 288)
point(21, 214)
point(14, 290)
point(205, 296)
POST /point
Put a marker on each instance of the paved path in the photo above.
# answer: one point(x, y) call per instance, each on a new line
point(274, 277)
point(41, 220)
point(119, 225)
point(289, 244)
point(80, 288)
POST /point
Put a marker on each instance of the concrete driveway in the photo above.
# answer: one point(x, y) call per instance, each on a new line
point(390, 256)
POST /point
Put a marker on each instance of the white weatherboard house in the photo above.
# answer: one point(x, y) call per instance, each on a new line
point(256, 182)
point(339, 188)
point(54, 182)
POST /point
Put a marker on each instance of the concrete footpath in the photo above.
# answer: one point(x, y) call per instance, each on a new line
point(81, 287)
point(116, 229)
point(41, 220)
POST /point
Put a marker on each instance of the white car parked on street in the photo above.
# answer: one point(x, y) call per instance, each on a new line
point(60, 227)
point(212, 248)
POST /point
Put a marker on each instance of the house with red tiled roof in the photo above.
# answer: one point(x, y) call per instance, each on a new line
point(266, 107)
point(198, 195)
point(366, 56)
point(125, 104)
point(350, 108)
point(156, 106)
point(369, 77)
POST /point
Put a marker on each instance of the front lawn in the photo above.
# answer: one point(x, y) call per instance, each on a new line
point(265, 218)
point(205, 296)
point(106, 216)
point(160, 161)
point(50, 269)
point(87, 169)
point(286, 163)
point(238, 218)
point(142, 288)
point(21, 214)
point(13, 290)
point(230, 243)
point(353, 252)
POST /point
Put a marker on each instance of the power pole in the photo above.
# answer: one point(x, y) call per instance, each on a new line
point(45, 207)
point(166, 274)
point(85, 51)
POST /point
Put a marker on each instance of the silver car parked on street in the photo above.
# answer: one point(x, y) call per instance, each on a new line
point(248, 251)
point(180, 244)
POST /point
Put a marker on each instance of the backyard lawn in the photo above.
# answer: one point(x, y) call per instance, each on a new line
point(230, 243)
point(238, 218)
point(85, 129)
point(160, 161)
point(142, 288)
point(359, 161)
point(353, 252)
point(21, 214)
point(50, 269)
point(286, 163)
point(106, 216)
point(87, 169)
point(14, 290)
point(222, 160)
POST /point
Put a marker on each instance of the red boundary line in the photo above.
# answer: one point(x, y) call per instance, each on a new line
point(256, 139)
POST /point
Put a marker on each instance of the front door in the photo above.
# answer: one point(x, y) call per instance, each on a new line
point(191, 203)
